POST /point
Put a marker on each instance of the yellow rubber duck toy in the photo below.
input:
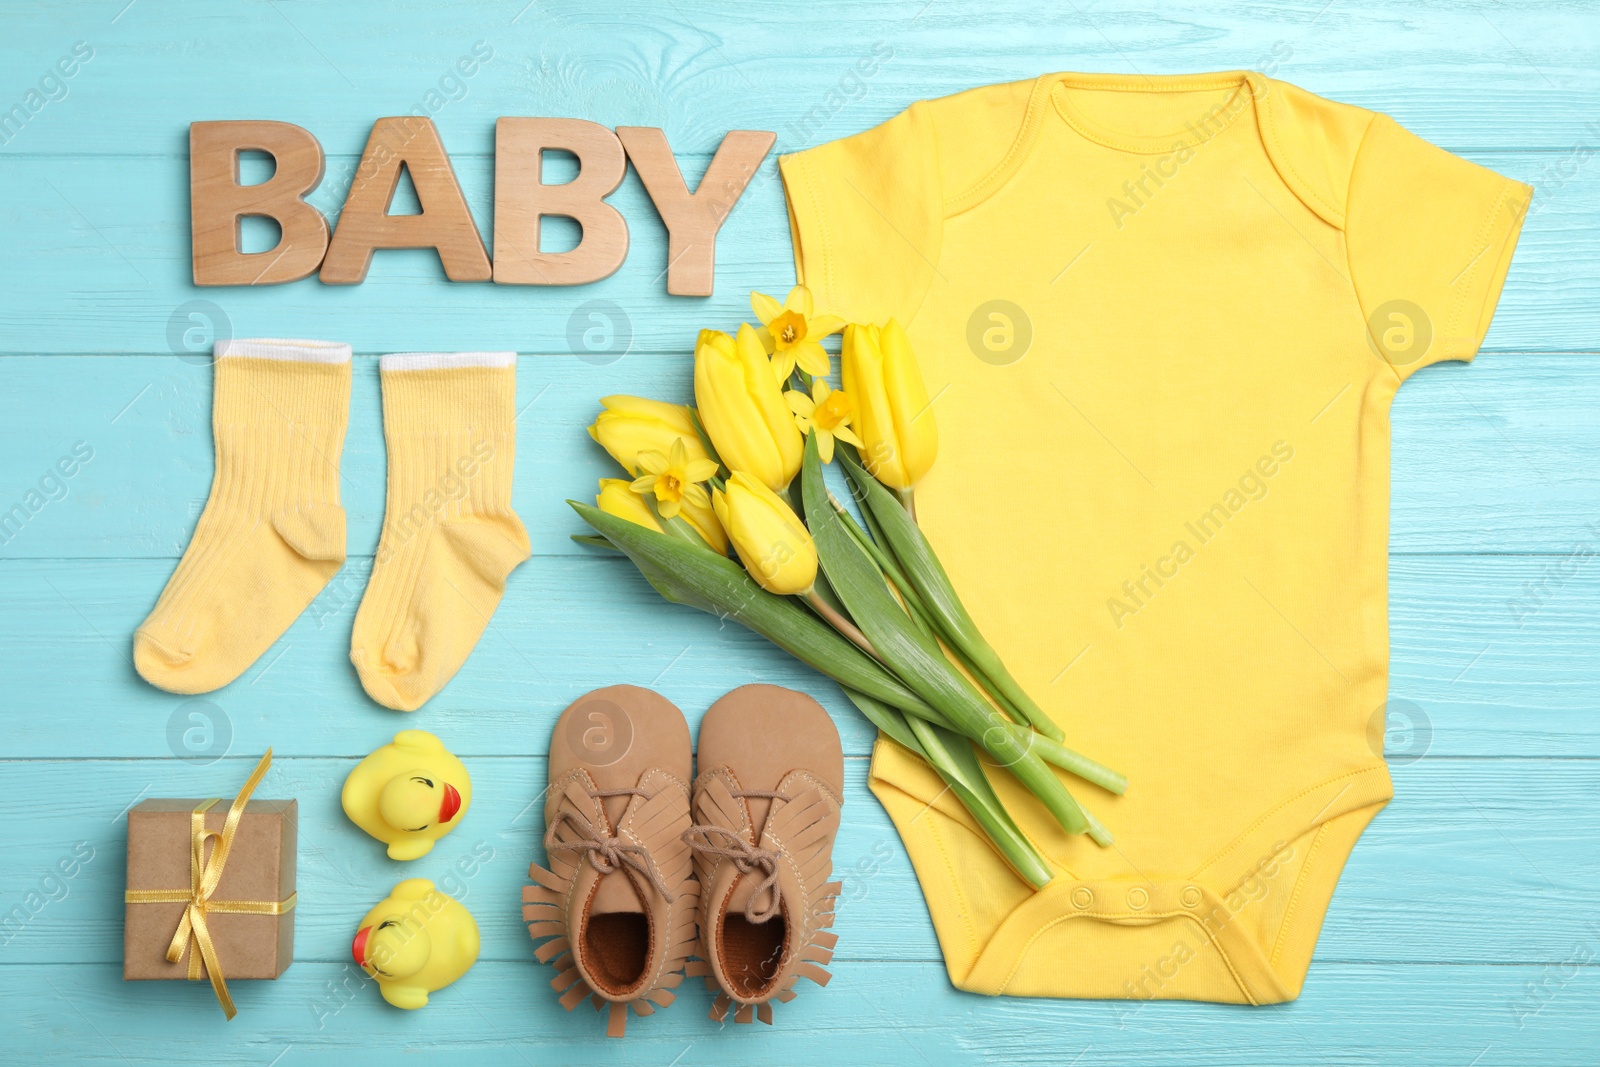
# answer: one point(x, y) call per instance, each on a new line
point(415, 942)
point(409, 793)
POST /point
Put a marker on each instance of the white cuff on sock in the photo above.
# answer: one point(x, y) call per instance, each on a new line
point(276, 348)
point(444, 360)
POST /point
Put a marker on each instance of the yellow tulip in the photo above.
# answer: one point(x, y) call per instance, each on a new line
point(775, 545)
point(742, 407)
point(632, 424)
point(706, 524)
point(893, 416)
point(616, 498)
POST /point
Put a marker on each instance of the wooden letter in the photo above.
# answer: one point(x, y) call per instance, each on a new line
point(692, 220)
point(217, 202)
point(521, 199)
point(444, 225)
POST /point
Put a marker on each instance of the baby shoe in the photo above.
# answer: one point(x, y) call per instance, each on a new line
point(766, 810)
point(616, 908)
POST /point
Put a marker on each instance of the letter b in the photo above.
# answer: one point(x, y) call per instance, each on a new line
point(522, 200)
point(217, 202)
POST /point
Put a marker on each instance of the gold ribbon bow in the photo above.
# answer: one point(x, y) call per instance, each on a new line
point(204, 875)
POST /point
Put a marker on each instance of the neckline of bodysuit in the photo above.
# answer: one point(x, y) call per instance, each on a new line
point(1195, 130)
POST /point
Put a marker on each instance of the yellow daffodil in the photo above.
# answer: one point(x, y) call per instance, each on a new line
point(775, 545)
point(893, 415)
point(673, 479)
point(827, 413)
point(792, 332)
point(743, 410)
point(632, 424)
point(616, 498)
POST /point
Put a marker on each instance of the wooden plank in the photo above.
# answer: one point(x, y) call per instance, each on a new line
point(1491, 457)
point(1463, 78)
point(1462, 931)
point(1484, 685)
point(103, 243)
point(872, 1013)
point(1475, 861)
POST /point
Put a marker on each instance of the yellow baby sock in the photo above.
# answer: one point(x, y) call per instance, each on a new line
point(450, 537)
point(272, 532)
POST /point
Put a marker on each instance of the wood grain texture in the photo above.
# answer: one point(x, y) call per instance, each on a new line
point(1485, 681)
point(218, 202)
point(523, 200)
point(407, 145)
point(1488, 457)
point(693, 219)
point(1464, 929)
point(1492, 853)
point(114, 256)
point(897, 1013)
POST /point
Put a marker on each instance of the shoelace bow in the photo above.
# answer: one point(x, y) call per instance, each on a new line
point(745, 857)
point(606, 853)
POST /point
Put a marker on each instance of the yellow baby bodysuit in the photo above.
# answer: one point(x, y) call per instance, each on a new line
point(1162, 320)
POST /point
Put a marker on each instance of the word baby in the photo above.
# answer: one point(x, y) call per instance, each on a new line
point(521, 201)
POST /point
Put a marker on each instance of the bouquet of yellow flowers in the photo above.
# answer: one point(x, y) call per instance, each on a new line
point(865, 602)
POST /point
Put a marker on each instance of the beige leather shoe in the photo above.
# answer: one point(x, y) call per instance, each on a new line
point(616, 908)
point(766, 811)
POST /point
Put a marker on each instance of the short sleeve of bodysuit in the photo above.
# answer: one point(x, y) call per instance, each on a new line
point(865, 217)
point(1162, 320)
point(867, 212)
point(1430, 238)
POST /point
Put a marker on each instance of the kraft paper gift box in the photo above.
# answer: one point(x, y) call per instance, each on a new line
point(233, 904)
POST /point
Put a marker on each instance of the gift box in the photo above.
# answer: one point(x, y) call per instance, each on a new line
point(211, 889)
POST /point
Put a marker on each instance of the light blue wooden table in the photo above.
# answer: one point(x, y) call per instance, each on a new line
point(1467, 927)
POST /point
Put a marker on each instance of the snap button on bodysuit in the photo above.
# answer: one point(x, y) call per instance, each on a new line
point(1082, 897)
point(1190, 896)
point(1138, 898)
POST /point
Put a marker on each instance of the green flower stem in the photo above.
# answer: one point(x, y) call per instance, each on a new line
point(908, 595)
point(836, 619)
point(1097, 831)
point(676, 526)
point(1058, 755)
point(944, 750)
point(893, 569)
point(884, 562)
point(595, 542)
point(891, 721)
point(700, 578)
point(952, 757)
point(825, 591)
point(913, 603)
point(917, 659)
point(1016, 714)
point(910, 547)
point(908, 500)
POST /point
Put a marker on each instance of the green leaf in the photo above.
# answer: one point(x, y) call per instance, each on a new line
point(951, 756)
point(676, 526)
point(916, 657)
point(922, 568)
point(700, 578)
point(892, 721)
point(1058, 755)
